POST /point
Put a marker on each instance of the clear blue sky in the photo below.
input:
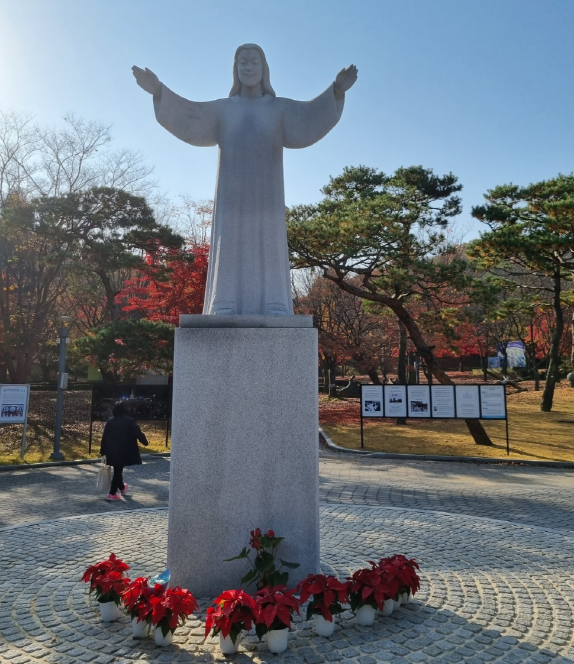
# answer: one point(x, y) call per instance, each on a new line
point(482, 88)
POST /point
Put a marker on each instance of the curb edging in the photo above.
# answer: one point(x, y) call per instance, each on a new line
point(74, 462)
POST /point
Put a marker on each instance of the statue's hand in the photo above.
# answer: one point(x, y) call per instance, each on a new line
point(345, 80)
point(147, 80)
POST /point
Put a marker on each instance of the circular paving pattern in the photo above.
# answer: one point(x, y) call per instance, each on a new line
point(491, 592)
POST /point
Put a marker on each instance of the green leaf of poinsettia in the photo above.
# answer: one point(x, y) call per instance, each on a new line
point(289, 565)
point(242, 555)
point(264, 562)
point(249, 576)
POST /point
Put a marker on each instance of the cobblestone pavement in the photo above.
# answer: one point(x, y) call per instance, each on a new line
point(491, 592)
point(495, 589)
point(527, 495)
point(521, 494)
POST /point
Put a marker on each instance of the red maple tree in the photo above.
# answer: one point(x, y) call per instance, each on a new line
point(172, 283)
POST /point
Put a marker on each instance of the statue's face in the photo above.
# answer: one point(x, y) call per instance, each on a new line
point(250, 67)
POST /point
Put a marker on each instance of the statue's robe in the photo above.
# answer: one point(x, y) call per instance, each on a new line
point(248, 260)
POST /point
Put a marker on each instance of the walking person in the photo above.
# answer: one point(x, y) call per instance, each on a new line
point(120, 447)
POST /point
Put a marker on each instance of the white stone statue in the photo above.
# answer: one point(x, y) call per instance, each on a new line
point(248, 260)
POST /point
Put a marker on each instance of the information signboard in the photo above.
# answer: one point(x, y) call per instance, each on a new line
point(418, 401)
point(372, 401)
point(443, 405)
point(435, 402)
point(395, 401)
point(467, 402)
point(14, 404)
point(493, 402)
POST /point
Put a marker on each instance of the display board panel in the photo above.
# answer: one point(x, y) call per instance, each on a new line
point(14, 404)
point(493, 402)
point(372, 401)
point(467, 402)
point(443, 403)
point(418, 401)
point(395, 401)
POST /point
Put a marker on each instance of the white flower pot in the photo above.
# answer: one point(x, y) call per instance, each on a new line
point(160, 639)
point(140, 629)
point(388, 607)
point(226, 644)
point(404, 598)
point(365, 615)
point(324, 627)
point(109, 611)
point(277, 640)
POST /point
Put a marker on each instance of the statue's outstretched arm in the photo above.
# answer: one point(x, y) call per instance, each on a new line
point(345, 80)
point(147, 80)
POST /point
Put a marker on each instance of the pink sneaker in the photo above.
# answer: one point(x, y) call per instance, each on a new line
point(114, 497)
point(123, 491)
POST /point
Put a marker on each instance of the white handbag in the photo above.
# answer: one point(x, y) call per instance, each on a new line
point(104, 479)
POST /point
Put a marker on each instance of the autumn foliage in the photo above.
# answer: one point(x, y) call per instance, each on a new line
point(171, 283)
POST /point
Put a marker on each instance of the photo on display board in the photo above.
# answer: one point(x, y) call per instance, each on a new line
point(395, 401)
point(372, 401)
point(418, 401)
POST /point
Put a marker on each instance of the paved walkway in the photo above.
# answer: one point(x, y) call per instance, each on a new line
point(496, 546)
point(525, 495)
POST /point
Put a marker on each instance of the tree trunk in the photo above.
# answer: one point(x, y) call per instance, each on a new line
point(108, 376)
point(402, 363)
point(554, 354)
point(504, 361)
point(374, 376)
point(111, 304)
point(332, 375)
point(46, 369)
point(424, 351)
point(402, 359)
point(328, 364)
point(483, 361)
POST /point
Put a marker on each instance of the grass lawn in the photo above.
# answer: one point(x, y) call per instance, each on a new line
point(75, 430)
point(533, 434)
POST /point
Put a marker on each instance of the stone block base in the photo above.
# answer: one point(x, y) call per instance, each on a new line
point(244, 448)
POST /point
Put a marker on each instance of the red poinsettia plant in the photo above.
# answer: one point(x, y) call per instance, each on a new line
point(405, 571)
point(328, 593)
point(274, 609)
point(170, 607)
point(264, 570)
point(369, 586)
point(136, 599)
point(107, 579)
point(232, 611)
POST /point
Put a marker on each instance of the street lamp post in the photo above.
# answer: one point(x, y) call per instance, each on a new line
point(62, 385)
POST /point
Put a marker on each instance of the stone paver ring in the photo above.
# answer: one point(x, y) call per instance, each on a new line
point(491, 592)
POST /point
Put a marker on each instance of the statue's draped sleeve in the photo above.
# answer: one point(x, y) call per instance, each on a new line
point(194, 122)
point(306, 122)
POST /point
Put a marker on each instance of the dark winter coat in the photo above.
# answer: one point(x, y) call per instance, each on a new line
point(120, 441)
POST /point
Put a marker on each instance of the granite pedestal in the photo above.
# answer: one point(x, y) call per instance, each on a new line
point(244, 446)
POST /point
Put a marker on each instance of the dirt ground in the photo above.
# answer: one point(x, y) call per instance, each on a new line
point(533, 434)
